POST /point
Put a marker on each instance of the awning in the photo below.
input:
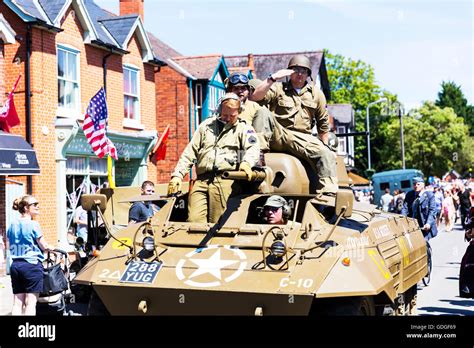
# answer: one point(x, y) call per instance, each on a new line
point(17, 157)
point(357, 179)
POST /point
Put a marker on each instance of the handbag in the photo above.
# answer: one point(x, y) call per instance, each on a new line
point(54, 280)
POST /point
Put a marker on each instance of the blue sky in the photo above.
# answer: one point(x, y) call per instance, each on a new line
point(412, 45)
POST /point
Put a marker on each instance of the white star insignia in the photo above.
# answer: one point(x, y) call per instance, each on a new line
point(212, 265)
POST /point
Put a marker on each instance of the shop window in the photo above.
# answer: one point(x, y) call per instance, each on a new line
point(84, 175)
point(131, 93)
point(68, 80)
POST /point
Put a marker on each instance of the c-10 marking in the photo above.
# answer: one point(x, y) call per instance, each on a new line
point(300, 283)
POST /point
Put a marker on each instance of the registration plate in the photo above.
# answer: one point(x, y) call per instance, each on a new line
point(141, 272)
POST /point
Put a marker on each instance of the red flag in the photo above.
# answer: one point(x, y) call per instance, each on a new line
point(8, 115)
point(95, 126)
point(160, 147)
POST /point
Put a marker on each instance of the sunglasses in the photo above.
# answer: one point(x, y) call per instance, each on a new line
point(238, 78)
point(300, 70)
point(271, 209)
point(150, 191)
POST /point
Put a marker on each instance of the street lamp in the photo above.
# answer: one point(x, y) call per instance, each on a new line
point(368, 128)
point(400, 111)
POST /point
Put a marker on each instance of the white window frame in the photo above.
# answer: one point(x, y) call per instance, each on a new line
point(64, 111)
point(215, 94)
point(134, 123)
point(342, 148)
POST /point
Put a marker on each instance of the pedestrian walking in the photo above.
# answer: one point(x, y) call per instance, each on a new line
point(27, 244)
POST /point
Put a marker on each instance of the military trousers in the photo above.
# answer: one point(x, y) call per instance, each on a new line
point(208, 198)
point(304, 146)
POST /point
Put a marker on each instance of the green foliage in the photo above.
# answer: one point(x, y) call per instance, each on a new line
point(353, 82)
point(436, 140)
point(452, 96)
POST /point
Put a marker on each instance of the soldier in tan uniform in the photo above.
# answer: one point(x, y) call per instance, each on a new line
point(222, 142)
point(298, 105)
point(239, 84)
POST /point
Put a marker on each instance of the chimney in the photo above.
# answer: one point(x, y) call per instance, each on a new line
point(251, 65)
point(131, 7)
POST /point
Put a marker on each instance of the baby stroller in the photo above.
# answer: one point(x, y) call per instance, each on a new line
point(54, 301)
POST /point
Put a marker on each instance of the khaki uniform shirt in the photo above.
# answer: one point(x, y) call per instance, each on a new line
point(296, 111)
point(214, 151)
point(250, 108)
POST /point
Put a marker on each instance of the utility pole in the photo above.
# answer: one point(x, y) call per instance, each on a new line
point(367, 130)
point(402, 142)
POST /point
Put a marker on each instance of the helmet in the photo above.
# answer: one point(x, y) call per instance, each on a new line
point(254, 83)
point(333, 142)
point(279, 202)
point(300, 60)
point(228, 96)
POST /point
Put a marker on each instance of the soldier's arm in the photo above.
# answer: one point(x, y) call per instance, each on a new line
point(250, 145)
point(189, 155)
point(431, 211)
point(322, 117)
point(405, 207)
point(261, 92)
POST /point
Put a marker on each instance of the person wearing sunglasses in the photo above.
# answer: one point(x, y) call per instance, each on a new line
point(26, 245)
point(141, 211)
point(297, 107)
point(420, 204)
point(222, 142)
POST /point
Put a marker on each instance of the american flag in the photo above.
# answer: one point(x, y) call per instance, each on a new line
point(95, 126)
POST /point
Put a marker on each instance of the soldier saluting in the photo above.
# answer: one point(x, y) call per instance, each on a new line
point(221, 143)
point(297, 105)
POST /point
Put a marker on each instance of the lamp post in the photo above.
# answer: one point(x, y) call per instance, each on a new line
point(368, 128)
point(400, 111)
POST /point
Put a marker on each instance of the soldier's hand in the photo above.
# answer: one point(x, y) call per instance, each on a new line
point(174, 185)
point(245, 167)
point(282, 73)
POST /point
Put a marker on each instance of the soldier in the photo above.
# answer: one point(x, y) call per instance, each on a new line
point(296, 105)
point(276, 210)
point(222, 142)
point(239, 84)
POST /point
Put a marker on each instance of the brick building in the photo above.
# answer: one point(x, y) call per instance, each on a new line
point(66, 51)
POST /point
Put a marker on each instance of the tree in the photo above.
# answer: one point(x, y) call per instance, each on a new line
point(436, 140)
point(452, 96)
point(353, 82)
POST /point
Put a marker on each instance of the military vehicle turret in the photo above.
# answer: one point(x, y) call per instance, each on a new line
point(335, 256)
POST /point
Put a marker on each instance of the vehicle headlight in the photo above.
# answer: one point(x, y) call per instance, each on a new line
point(148, 243)
point(278, 248)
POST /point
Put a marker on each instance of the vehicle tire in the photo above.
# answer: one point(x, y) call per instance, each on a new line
point(96, 307)
point(401, 308)
point(427, 277)
point(354, 306)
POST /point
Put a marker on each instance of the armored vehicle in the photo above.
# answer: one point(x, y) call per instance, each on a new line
point(334, 256)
